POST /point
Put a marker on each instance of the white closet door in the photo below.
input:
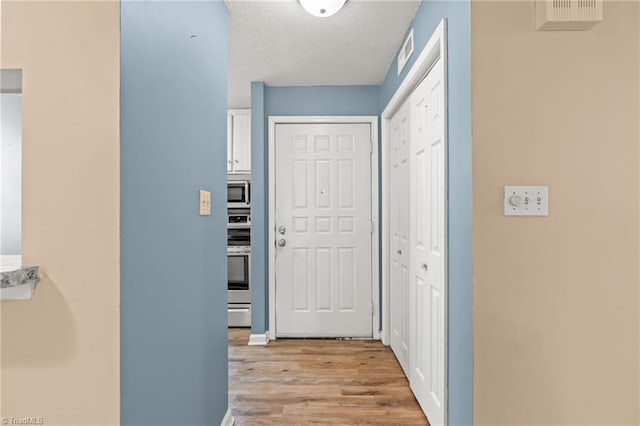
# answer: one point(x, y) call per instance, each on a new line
point(427, 244)
point(400, 133)
point(324, 230)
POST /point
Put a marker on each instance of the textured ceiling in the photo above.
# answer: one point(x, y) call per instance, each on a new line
point(279, 43)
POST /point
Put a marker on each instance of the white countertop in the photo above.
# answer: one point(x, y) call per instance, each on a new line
point(10, 263)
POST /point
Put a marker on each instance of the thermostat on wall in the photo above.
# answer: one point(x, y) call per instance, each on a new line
point(526, 201)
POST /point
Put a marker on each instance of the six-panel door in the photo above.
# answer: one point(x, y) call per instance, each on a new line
point(427, 244)
point(323, 230)
point(400, 138)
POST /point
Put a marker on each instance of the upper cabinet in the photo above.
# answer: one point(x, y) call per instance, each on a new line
point(239, 141)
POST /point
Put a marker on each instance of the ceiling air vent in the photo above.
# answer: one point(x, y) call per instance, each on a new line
point(405, 52)
point(567, 15)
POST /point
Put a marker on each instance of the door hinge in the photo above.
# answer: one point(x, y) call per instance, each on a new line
point(373, 309)
point(370, 147)
point(371, 229)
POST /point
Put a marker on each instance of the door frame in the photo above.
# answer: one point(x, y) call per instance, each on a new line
point(434, 50)
point(375, 204)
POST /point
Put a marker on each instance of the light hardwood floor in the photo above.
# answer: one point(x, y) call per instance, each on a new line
point(318, 381)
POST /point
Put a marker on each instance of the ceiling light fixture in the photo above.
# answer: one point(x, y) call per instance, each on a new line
point(322, 8)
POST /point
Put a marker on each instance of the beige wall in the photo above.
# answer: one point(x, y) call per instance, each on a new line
point(60, 351)
point(556, 298)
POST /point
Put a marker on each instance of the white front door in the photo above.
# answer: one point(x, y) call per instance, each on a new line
point(427, 244)
point(400, 136)
point(323, 230)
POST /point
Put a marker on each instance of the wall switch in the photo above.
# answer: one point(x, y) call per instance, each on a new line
point(205, 203)
point(526, 201)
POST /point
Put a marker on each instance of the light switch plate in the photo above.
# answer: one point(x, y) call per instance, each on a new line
point(205, 203)
point(526, 201)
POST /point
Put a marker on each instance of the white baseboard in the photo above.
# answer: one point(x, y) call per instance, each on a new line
point(384, 337)
point(376, 334)
point(228, 419)
point(259, 339)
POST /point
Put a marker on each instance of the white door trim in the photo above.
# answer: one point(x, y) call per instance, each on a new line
point(434, 50)
point(375, 259)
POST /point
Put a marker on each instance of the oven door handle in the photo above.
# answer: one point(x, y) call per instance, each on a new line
point(248, 192)
point(238, 226)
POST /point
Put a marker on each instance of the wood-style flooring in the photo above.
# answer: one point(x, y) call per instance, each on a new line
point(318, 381)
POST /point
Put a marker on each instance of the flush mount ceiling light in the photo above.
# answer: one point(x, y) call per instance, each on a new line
point(322, 8)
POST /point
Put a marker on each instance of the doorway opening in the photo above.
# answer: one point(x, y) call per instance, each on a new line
point(11, 159)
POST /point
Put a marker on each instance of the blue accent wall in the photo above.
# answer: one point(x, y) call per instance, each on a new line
point(460, 333)
point(276, 101)
point(322, 100)
point(259, 211)
point(173, 261)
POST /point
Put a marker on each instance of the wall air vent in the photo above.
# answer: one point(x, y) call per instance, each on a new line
point(405, 51)
point(567, 15)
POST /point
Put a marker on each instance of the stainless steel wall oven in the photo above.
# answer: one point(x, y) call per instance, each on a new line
point(239, 266)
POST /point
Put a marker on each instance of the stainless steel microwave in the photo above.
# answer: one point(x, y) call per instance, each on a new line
point(238, 193)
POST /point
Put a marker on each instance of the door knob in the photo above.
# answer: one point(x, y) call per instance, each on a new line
point(282, 242)
point(282, 230)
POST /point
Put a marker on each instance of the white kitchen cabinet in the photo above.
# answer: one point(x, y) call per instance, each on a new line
point(239, 141)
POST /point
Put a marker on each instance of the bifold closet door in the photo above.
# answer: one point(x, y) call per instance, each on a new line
point(400, 133)
point(427, 195)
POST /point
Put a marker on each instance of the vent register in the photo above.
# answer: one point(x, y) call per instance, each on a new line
point(567, 15)
point(405, 51)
